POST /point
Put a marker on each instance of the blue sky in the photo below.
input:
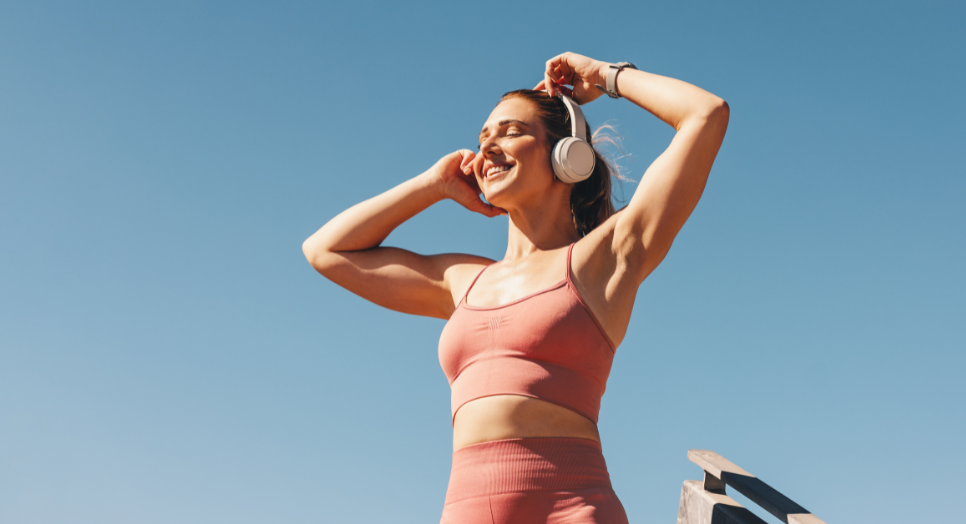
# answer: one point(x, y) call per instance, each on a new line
point(167, 355)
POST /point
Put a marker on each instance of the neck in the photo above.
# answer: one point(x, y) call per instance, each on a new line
point(543, 227)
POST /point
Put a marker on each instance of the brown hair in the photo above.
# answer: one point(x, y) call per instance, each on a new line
point(590, 200)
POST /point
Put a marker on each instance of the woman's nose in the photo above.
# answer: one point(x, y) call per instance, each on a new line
point(489, 147)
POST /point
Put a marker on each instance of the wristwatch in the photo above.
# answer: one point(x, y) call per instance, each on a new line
point(611, 89)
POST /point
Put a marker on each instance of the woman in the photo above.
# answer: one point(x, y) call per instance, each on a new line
point(530, 339)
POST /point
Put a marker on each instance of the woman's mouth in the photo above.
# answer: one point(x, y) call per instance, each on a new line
point(495, 171)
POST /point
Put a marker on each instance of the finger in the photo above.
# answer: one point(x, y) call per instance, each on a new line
point(548, 78)
point(478, 206)
point(477, 166)
point(553, 63)
point(474, 186)
point(467, 161)
point(468, 196)
point(540, 86)
point(555, 80)
point(565, 74)
point(493, 211)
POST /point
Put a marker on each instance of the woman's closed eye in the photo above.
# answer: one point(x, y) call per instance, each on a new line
point(508, 135)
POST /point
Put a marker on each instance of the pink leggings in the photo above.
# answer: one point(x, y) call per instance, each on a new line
point(531, 480)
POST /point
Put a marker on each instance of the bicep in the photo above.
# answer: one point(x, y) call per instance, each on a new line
point(670, 190)
point(401, 280)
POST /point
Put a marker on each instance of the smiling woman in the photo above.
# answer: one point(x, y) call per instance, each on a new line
point(530, 339)
point(590, 200)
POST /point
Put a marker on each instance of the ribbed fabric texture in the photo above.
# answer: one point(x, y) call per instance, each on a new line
point(547, 345)
point(531, 480)
point(526, 464)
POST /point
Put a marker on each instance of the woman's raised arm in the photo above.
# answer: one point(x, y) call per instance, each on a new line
point(613, 259)
point(643, 231)
point(346, 249)
point(673, 184)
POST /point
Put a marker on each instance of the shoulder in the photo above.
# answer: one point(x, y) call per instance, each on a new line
point(460, 270)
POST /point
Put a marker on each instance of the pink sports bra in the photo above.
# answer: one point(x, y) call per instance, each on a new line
point(546, 345)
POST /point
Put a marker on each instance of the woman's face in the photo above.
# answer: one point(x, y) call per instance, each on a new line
point(514, 161)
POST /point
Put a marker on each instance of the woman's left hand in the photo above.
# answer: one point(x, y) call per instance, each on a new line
point(575, 70)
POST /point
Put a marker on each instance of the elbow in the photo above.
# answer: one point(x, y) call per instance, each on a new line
point(316, 255)
point(713, 114)
point(714, 118)
point(308, 251)
point(717, 110)
point(720, 112)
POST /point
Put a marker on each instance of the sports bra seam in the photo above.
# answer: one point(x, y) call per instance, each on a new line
point(573, 289)
point(582, 414)
point(603, 386)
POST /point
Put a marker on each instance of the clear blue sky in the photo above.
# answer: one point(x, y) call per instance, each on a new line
point(167, 355)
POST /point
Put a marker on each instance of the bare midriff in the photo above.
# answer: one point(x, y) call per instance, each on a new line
point(512, 416)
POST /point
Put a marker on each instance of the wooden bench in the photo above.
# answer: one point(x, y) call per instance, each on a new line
point(705, 502)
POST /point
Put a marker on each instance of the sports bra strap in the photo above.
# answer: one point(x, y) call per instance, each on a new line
point(478, 275)
point(570, 251)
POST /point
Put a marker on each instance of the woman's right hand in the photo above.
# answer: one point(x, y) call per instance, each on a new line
point(457, 181)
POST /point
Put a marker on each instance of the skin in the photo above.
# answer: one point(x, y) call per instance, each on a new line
point(608, 264)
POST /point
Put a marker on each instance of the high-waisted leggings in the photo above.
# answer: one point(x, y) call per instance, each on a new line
point(531, 480)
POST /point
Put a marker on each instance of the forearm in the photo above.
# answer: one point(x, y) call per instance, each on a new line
point(367, 224)
point(673, 101)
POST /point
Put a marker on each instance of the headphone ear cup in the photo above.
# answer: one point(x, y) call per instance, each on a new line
point(573, 160)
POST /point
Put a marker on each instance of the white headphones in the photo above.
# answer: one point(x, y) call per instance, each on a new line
point(572, 157)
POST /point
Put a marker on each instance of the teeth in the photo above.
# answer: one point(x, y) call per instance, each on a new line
point(497, 169)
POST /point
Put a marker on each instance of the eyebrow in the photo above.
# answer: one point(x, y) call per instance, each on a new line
point(502, 123)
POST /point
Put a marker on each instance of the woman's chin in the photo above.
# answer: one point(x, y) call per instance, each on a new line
point(494, 195)
point(499, 200)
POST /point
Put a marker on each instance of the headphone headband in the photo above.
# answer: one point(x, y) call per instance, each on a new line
point(573, 157)
point(578, 126)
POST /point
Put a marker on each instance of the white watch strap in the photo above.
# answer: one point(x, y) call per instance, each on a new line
point(611, 80)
